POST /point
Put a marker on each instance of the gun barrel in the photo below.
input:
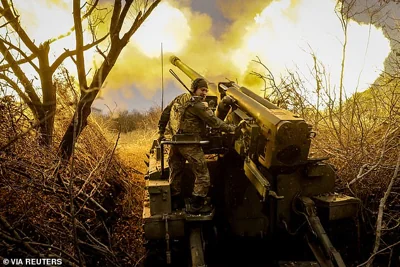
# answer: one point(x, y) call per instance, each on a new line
point(256, 109)
point(185, 68)
point(249, 101)
point(287, 134)
point(192, 74)
point(253, 107)
point(256, 97)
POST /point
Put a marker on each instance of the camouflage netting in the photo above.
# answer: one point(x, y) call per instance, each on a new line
point(37, 192)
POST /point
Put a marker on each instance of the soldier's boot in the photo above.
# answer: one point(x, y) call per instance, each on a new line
point(177, 202)
point(199, 205)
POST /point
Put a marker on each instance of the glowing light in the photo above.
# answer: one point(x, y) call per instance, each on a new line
point(166, 25)
point(47, 20)
point(284, 36)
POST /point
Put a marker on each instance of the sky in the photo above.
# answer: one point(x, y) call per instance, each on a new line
point(221, 38)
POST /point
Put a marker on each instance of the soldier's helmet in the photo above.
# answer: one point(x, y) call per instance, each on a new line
point(198, 83)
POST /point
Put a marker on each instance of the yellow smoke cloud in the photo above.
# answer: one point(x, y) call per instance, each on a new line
point(140, 61)
point(182, 32)
point(45, 20)
point(166, 25)
point(282, 33)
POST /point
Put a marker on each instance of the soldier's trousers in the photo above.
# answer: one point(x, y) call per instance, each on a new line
point(194, 154)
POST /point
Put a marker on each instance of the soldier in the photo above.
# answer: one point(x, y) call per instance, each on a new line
point(187, 114)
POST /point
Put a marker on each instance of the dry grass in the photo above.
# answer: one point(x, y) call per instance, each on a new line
point(133, 146)
point(109, 168)
point(36, 189)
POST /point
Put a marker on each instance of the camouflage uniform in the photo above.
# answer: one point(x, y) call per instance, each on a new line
point(186, 114)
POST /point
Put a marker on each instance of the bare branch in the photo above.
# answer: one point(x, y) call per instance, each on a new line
point(361, 174)
point(139, 20)
point(69, 53)
point(115, 18)
point(380, 251)
point(8, 14)
point(21, 61)
point(5, 24)
point(20, 74)
point(80, 60)
point(93, 7)
point(122, 16)
point(16, 88)
point(380, 211)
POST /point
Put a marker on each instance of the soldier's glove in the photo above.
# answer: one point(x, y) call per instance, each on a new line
point(238, 128)
point(232, 129)
point(229, 129)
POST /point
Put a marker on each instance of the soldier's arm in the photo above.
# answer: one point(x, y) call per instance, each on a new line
point(208, 116)
point(162, 123)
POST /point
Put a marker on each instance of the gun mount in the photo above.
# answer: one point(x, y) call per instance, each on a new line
point(265, 184)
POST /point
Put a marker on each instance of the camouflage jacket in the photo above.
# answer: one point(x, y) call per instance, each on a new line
point(188, 114)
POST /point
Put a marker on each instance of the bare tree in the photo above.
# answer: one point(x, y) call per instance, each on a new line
point(343, 8)
point(37, 55)
point(18, 48)
point(117, 43)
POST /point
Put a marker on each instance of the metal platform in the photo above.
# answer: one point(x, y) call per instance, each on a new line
point(154, 225)
point(200, 217)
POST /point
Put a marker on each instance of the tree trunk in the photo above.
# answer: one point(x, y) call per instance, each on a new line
point(77, 124)
point(88, 95)
point(46, 126)
point(83, 110)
